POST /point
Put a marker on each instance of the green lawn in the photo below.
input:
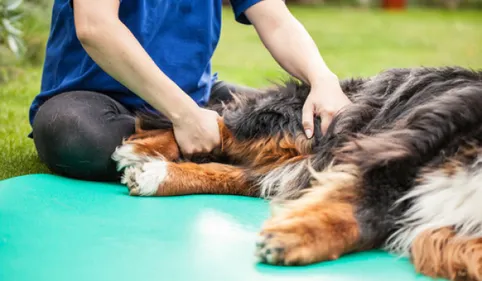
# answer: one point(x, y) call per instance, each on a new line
point(353, 42)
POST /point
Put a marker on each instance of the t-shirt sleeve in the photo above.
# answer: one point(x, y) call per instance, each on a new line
point(239, 7)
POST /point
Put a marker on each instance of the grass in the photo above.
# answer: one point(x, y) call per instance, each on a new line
point(352, 42)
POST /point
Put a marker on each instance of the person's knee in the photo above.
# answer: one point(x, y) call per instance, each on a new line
point(72, 144)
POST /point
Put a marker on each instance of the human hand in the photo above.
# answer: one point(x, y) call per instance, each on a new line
point(198, 132)
point(325, 100)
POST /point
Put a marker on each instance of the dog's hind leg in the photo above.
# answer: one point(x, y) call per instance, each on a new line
point(161, 178)
point(146, 146)
point(439, 253)
point(161, 144)
point(318, 226)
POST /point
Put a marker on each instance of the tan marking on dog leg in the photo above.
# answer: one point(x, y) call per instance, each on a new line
point(440, 253)
point(321, 225)
point(171, 179)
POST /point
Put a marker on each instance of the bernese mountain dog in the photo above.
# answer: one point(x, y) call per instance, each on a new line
point(400, 169)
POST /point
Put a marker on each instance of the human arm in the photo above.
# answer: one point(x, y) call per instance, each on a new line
point(115, 49)
point(293, 48)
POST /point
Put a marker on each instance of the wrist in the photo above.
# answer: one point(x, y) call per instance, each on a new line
point(322, 79)
point(166, 97)
point(186, 113)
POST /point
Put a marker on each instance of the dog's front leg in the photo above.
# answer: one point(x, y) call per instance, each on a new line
point(161, 178)
point(320, 225)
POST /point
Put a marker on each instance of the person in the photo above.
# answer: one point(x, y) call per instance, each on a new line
point(107, 59)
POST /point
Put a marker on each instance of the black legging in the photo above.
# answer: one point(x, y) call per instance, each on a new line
point(75, 133)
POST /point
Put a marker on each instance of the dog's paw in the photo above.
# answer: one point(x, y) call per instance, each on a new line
point(284, 241)
point(270, 251)
point(145, 179)
point(281, 248)
point(298, 240)
point(125, 156)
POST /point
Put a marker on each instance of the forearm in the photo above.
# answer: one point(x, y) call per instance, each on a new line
point(289, 43)
point(297, 53)
point(114, 48)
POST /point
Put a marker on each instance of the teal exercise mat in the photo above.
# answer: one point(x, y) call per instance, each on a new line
point(58, 229)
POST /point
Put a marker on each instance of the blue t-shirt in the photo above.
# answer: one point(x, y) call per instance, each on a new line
point(179, 35)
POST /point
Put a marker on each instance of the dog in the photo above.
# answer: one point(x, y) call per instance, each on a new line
point(400, 169)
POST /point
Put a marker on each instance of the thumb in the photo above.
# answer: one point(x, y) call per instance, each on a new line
point(325, 122)
point(308, 120)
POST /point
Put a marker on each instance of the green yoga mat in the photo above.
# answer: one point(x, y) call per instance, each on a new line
point(52, 228)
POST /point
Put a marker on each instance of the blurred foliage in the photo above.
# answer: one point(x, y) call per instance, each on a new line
point(10, 33)
point(448, 4)
point(24, 29)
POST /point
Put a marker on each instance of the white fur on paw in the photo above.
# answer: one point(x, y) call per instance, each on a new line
point(129, 176)
point(125, 157)
point(145, 179)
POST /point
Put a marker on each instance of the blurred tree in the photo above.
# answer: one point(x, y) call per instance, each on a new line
point(10, 32)
point(452, 4)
